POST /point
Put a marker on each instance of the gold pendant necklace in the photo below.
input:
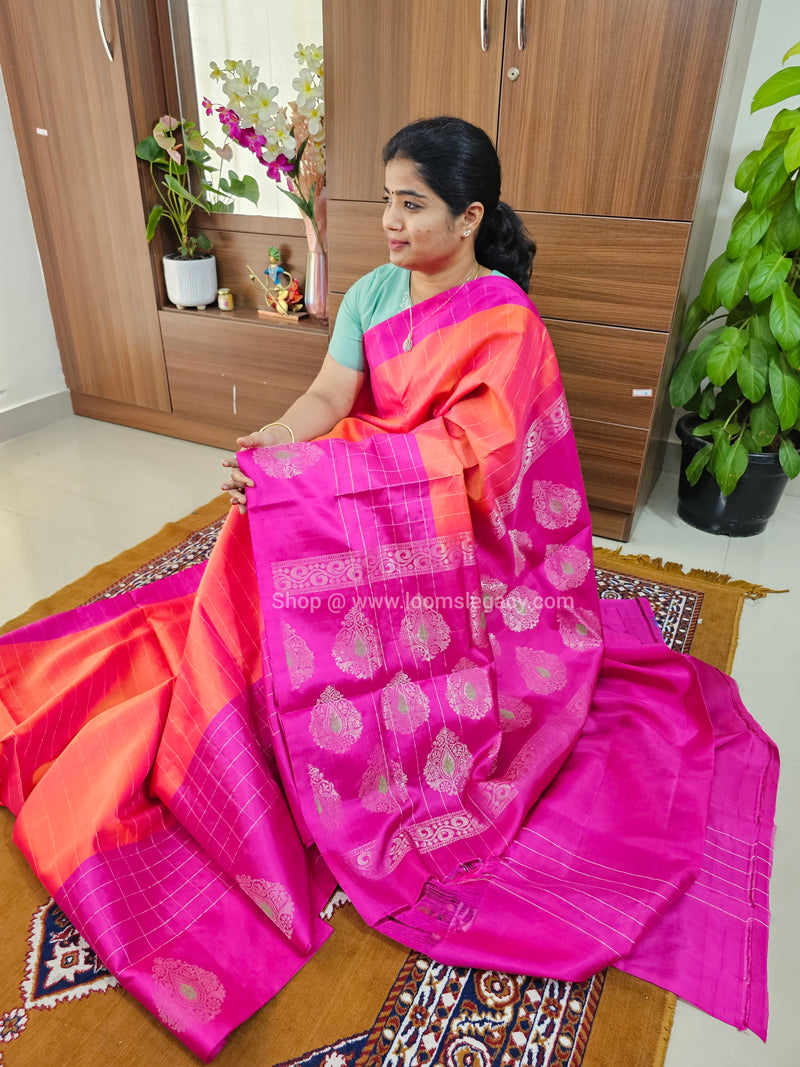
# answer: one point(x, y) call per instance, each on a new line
point(408, 344)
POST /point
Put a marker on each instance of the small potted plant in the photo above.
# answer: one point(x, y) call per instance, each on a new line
point(175, 151)
point(741, 383)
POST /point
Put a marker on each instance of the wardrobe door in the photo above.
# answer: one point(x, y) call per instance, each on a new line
point(606, 106)
point(388, 63)
point(65, 75)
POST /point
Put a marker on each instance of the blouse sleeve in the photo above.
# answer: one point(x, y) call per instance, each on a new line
point(346, 344)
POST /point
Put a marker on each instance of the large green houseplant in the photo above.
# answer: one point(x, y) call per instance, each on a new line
point(742, 380)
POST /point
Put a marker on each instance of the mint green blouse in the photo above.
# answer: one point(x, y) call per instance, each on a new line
point(371, 300)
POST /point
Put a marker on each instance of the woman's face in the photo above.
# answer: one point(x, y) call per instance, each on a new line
point(422, 233)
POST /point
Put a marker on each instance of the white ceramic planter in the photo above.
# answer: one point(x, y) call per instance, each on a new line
point(191, 283)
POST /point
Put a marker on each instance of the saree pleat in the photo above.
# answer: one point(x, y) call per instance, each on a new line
point(396, 674)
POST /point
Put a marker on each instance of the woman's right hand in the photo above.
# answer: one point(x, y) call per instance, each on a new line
point(238, 481)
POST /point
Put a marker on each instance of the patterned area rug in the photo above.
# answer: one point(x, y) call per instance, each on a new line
point(468, 1018)
point(433, 1014)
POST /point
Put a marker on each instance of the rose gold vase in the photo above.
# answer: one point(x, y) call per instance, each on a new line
point(316, 290)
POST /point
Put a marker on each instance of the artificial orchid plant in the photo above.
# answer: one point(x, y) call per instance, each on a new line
point(288, 140)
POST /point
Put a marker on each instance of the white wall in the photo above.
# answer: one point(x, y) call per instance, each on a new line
point(30, 367)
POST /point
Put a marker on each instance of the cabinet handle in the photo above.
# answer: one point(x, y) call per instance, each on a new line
point(521, 39)
point(102, 29)
point(484, 25)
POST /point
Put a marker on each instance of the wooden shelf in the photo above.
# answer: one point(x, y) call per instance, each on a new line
point(247, 315)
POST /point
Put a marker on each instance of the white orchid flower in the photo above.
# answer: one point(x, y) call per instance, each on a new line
point(314, 111)
point(237, 92)
point(279, 140)
point(304, 85)
point(247, 72)
point(310, 55)
point(260, 104)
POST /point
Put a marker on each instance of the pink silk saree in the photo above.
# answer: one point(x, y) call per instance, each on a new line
point(395, 674)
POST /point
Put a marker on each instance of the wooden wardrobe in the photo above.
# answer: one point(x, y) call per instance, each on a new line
point(601, 111)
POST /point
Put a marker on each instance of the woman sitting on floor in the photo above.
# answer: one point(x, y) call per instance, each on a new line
point(395, 673)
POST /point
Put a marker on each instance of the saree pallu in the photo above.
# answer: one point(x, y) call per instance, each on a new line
point(395, 674)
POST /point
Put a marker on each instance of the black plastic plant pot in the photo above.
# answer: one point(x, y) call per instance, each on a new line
point(742, 513)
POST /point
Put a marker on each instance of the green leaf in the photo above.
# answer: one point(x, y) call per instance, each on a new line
point(730, 463)
point(752, 370)
point(747, 170)
point(768, 274)
point(708, 290)
point(706, 404)
point(749, 442)
point(155, 214)
point(770, 242)
point(771, 176)
point(698, 464)
point(786, 119)
point(791, 153)
point(251, 189)
point(203, 242)
point(764, 422)
point(747, 232)
point(787, 225)
point(195, 141)
point(793, 51)
point(775, 138)
point(784, 385)
point(793, 357)
point(790, 460)
point(150, 151)
point(780, 86)
point(708, 429)
point(733, 281)
point(181, 191)
point(759, 327)
point(694, 318)
point(691, 370)
point(723, 358)
point(301, 204)
point(784, 316)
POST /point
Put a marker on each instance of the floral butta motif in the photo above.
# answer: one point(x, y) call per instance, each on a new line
point(404, 705)
point(288, 140)
point(335, 721)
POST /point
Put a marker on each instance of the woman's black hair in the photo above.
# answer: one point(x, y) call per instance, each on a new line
point(458, 161)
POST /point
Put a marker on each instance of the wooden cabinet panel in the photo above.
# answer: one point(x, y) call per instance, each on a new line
point(414, 59)
point(356, 242)
point(609, 374)
point(611, 461)
point(623, 272)
point(76, 142)
point(620, 272)
point(237, 372)
point(236, 250)
point(612, 109)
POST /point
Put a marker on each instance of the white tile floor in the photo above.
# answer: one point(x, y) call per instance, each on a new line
point(76, 493)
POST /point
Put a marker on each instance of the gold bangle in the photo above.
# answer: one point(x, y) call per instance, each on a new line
point(283, 424)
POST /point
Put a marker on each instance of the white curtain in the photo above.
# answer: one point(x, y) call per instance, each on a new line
point(268, 34)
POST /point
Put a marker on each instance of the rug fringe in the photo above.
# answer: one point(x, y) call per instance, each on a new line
point(751, 590)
